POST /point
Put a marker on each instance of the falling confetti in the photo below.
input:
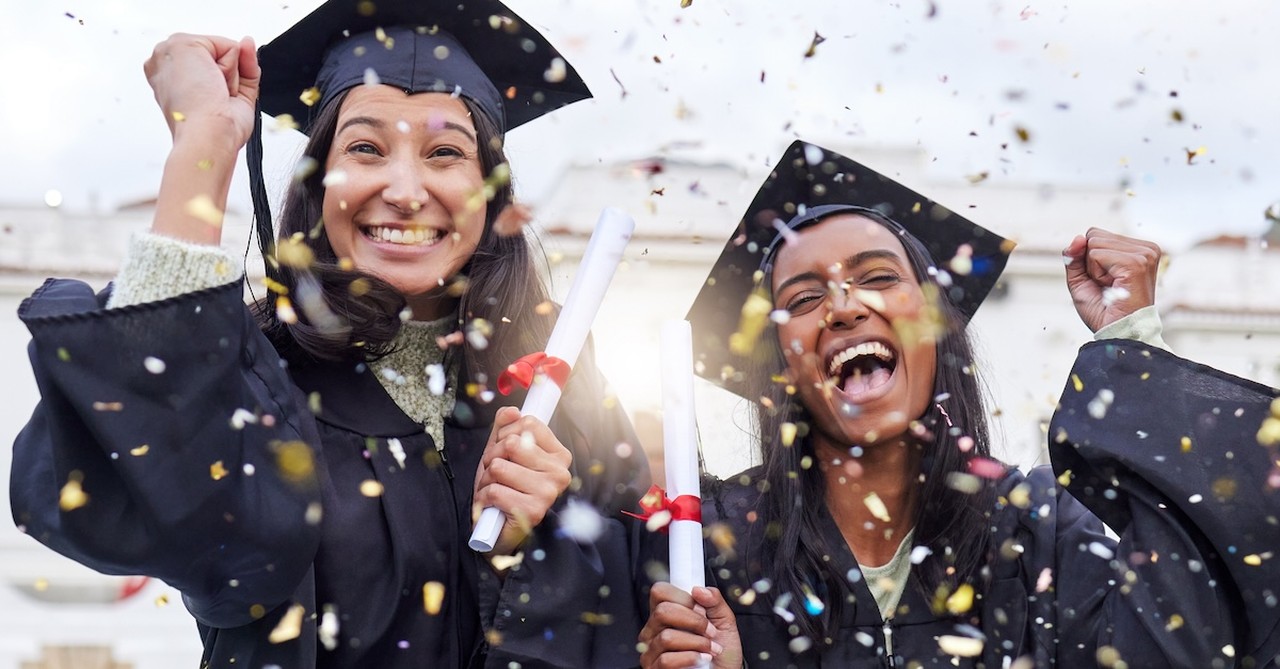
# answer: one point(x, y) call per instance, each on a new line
point(961, 646)
point(580, 521)
point(961, 600)
point(73, 495)
point(310, 96)
point(371, 488)
point(217, 471)
point(289, 627)
point(813, 45)
point(876, 506)
point(432, 597)
point(201, 207)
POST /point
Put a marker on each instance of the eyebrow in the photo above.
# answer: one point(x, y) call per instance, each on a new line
point(852, 261)
point(377, 124)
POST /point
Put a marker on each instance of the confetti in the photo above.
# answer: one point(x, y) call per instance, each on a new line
point(1186, 444)
point(961, 600)
point(580, 521)
point(294, 460)
point(961, 646)
point(432, 597)
point(788, 431)
point(328, 629)
point(139, 451)
point(73, 495)
point(154, 365)
point(202, 207)
point(556, 72)
point(108, 406)
point(685, 4)
point(370, 488)
point(310, 96)
point(289, 627)
point(1044, 580)
point(755, 314)
point(217, 471)
point(813, 45)
point(876, 506)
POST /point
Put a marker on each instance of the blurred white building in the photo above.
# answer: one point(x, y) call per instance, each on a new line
point(1220, 302)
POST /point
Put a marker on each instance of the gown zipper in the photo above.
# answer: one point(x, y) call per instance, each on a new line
point(888, 646)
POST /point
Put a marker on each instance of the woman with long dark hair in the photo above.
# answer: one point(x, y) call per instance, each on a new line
point(305, 471)
point(879, 531)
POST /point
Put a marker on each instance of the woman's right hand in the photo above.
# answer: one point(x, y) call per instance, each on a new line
point(206, 84)
point(685, 629)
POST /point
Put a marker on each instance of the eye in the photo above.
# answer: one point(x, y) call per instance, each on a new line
point(881, 279)
point(448, 152)
point(803, 302)
point(365, 148)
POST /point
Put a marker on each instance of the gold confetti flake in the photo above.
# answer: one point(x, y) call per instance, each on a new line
point(788, 434)
point(73, 495)
point(202, 207)
point(1108, 656)
point(1064, 479)
point(1253, 560)
point(217, 471)
point(876, 506)
point(284, 122)
point(755, 315)
point(41, 584)
point(294, 460)
point(1077, 383)
point(1020, 496)
point(289, 627)
point(685, 4)
point(371, 488)
point(1175, 621)
point(139, 451)
point(1186, 444)
point(310, 96)
point(961, 600)
point(285, 311)
point(432, 597)
point(179, 117)
point(813, 45)
point(162, 600)
point(108, 406)
point(294, 253)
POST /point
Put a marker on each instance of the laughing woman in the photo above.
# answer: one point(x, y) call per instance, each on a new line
point(880, 532)
point(305, 472)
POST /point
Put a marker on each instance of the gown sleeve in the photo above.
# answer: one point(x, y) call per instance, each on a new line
point(168, 442)
point(572, 601)
point(1167, 453)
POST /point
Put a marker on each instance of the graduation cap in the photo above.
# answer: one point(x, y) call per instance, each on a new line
point(477, 49)
point(809, 184)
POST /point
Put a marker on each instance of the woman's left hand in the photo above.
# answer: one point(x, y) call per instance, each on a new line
point(1110, 276)
point(523, 471)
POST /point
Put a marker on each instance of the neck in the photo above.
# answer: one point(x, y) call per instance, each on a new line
point(888, 472)
point(432, 305)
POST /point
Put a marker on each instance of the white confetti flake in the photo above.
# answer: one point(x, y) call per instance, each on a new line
point(435, 379)
point(812, 154)
point(243, 417)
point(334, 178)
point(1113, 294)
point(580, 521)
point(154, 365)
point(371, 77)
point(1101, 550)
point(961, 646)
point(919, 553)
point(397, 450)
point(328, 630)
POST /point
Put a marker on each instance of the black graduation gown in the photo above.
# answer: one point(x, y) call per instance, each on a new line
point(1175, 591)
point(350, 511)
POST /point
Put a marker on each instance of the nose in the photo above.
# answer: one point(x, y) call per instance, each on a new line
point(406, 186)
point(846, 309)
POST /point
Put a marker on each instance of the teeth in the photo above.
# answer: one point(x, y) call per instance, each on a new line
point(866, 348)
point(403, 236)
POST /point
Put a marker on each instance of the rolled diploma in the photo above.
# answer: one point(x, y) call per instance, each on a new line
point(604, 252)
point(679, 441)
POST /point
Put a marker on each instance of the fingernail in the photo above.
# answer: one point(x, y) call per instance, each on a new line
point(706, 659)
point(711, 631)
point(716, 648)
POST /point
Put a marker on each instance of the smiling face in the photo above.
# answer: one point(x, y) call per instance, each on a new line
point(404, 195)
point(858, 345)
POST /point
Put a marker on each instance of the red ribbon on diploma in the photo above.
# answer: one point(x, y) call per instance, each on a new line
point(684, 507)
point(522, 371)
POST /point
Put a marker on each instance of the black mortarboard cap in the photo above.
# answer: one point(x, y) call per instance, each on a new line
point(807, 185)
point(478, 49)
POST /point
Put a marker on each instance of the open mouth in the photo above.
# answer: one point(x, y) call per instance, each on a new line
point(402, 236)
point(861, 368)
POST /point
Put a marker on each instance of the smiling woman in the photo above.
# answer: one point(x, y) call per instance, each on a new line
point(880, 531)
point(304, 470)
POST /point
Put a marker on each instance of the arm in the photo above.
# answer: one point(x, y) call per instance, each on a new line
point(1175, 467)
point(168, 442)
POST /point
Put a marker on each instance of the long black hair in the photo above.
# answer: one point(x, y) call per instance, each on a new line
point(952, 524)
point(359, 315)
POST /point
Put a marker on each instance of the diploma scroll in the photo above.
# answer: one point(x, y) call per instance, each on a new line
point(604, 252)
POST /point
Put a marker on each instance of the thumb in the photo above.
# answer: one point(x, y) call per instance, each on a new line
point(717, 610)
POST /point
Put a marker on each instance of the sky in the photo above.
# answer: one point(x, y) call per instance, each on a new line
point(1176, 105)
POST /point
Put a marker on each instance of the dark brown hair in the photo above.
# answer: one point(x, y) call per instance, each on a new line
point(499, 284)
point(952, 524)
